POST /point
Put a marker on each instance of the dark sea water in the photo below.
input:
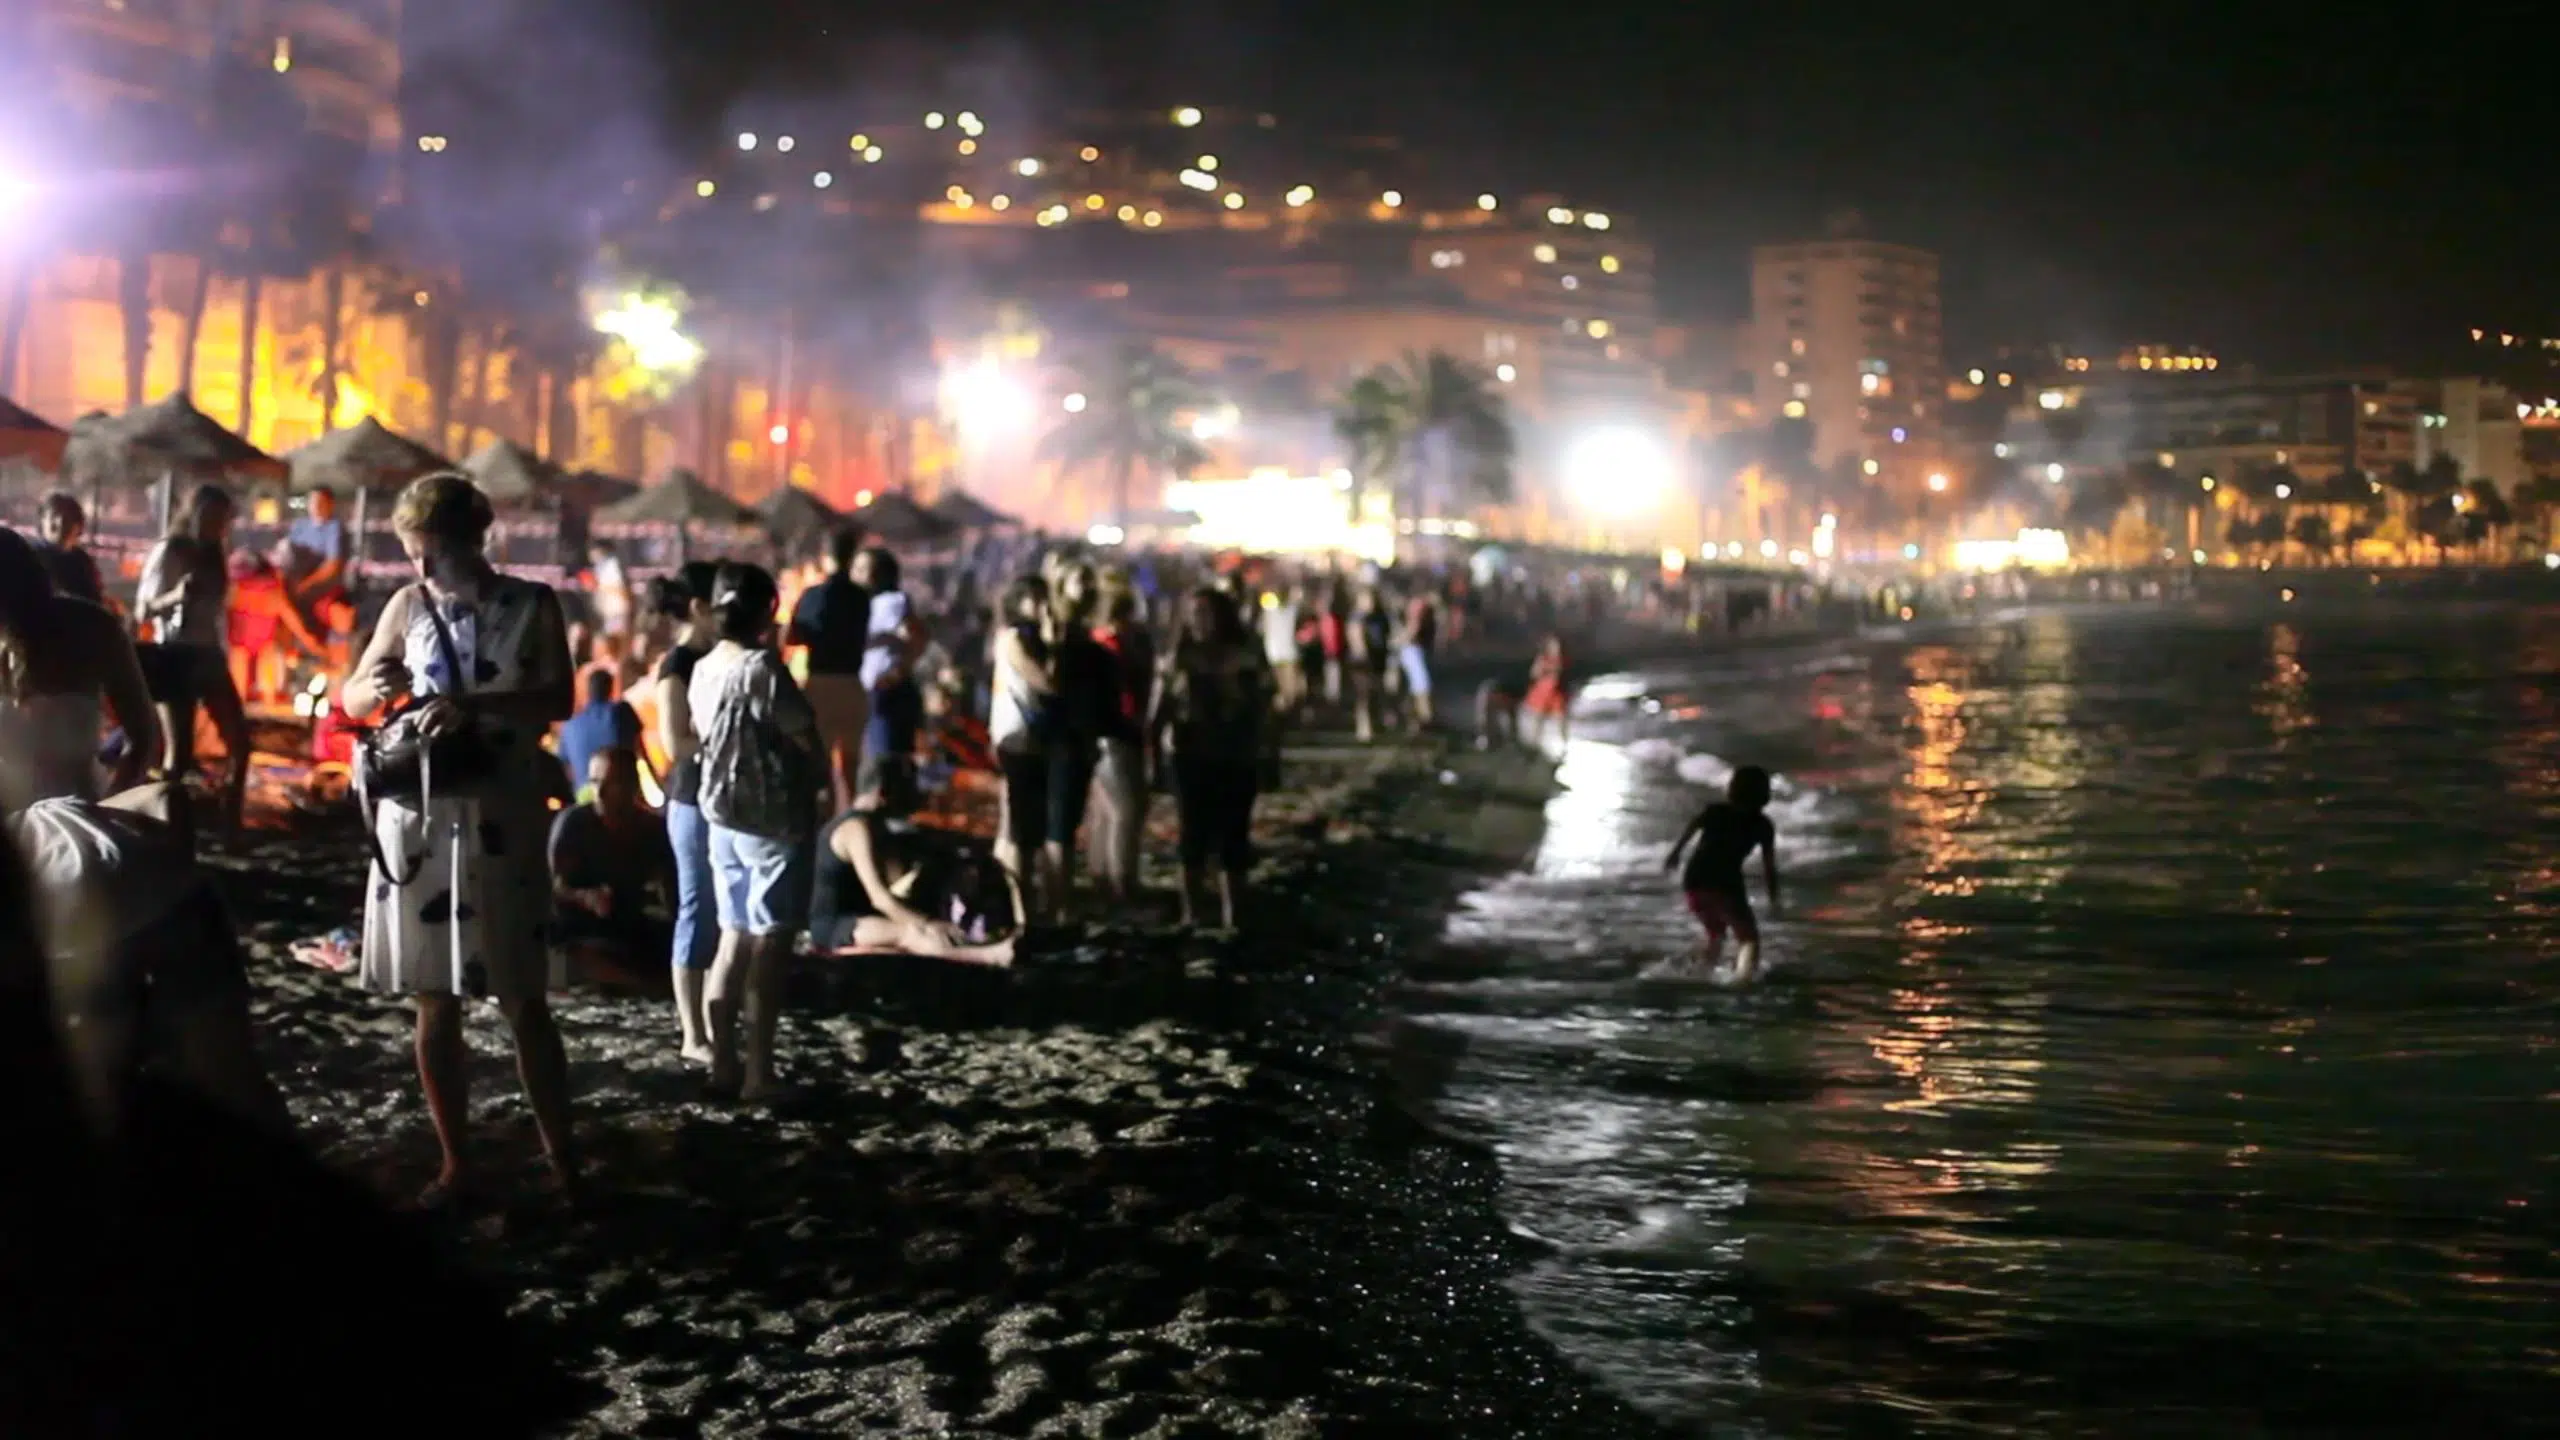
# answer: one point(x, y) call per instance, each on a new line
point(2161, 1039)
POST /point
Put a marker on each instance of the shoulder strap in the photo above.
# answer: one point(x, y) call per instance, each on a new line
point(444, 641)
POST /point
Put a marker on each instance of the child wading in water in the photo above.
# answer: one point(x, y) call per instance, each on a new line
point(1727, 831)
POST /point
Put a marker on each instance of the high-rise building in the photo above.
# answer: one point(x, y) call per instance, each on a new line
point(2479, 423)
point(1845, 338)
point(1578, 286)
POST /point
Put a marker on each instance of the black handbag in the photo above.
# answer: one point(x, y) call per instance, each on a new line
point(397, 760)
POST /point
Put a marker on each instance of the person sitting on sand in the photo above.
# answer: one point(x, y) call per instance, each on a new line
point(467, 913)
point(607, 855)
point(873, 891)
point(137, 943)
point(604, 722)
point(1727, 831)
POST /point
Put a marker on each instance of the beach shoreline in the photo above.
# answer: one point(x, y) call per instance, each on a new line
point(1154, 1185)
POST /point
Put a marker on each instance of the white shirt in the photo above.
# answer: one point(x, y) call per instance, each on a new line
point(1280, 633)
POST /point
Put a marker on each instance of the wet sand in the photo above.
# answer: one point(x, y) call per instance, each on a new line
point(1143, 1185)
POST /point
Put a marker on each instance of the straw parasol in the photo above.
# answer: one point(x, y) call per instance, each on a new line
point(898, 519)
point(25, 435)
point(591, 490)
point(795, 514)
point(167, 436)
point(680, 499)
point(365, 456)
point(509, 474)
point(968, 512)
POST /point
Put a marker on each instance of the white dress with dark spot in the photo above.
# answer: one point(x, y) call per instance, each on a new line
point(473, 917)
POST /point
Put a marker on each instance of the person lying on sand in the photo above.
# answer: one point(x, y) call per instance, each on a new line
point(874, 891)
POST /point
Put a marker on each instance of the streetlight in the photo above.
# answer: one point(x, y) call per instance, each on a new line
point(1186, 116)
point(1938, 482)
point(746, 139)
point(1074, 404)
point(1486, 202)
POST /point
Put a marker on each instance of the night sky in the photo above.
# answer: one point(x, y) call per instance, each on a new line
point(2293, 185)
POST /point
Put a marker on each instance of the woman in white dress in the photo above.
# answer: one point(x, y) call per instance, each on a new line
point(465, 911)
point(134, 935)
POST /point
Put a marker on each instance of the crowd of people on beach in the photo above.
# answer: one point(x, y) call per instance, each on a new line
point(718, 772)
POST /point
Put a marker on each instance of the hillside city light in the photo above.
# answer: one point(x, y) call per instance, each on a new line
point(784, 144)
point(705, 189)
point(1392, 199)
point(1026, 168)
point(1938, 483)
point(1618, 471)
point(822, 179)
point(2053, 474)
point(746, 139)
point(871, 155)
point(1486, 202)
point(1074, 404)
point(1594, 220)
point(933, 120)
point(1558, 215)
point(1207, 162)
point(779, 434)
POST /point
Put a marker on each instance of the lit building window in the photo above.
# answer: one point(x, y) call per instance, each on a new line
point(1572, 282)
point(1153, 218)
point(1781, 369)
point(1486, 202)
point(1608, 264)
point(1867, 384)
point(871, 154)
point(968, 147)
point(1558, 215)
point(1001, 202)
point(1797, 345)
point(1870, 466)
point(1392, 199)
point(1804, 390)
point(1448, 259)
point(1187, 116)
point(1093, 202)
point(858, 143)
point(1975, 376)
point(284, 53)
point(822, 179)
point(1026, 168)
point(1208, 163)
point(784, 144)
point(1300, 196)
point(1506, 373)
point(1900, 434)
point(1546, 254)
point(1128, 213)
point(1234, 200)
point(933, 120)
point(705, 188)
point(1793, 410)
point(1595, 220)
point(1089, 154)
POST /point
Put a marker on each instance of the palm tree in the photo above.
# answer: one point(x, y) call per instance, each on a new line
point(1130, 424)
point(1422, 417)
point(1369, 420)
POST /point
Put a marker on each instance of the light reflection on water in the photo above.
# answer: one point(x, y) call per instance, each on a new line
point(2162, 1040)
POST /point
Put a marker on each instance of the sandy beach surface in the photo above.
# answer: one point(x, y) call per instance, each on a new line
point(1143, 1185)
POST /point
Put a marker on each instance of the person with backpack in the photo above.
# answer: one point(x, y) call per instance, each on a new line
point(759, 741)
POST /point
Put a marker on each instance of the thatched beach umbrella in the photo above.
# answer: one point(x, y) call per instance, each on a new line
point(587, 491)
point(680, 499)
point(968, 512)
point(796, 516)
point(896, 518)
point(365, 456)
point(166, 437)
point(509, 474)
point(25, 435)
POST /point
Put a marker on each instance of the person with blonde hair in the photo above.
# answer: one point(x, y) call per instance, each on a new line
point(460, 902)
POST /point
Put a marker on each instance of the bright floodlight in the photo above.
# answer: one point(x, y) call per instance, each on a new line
point(986, 399)
point(1074, 404)
point(650, 329)
point(1619, 471)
